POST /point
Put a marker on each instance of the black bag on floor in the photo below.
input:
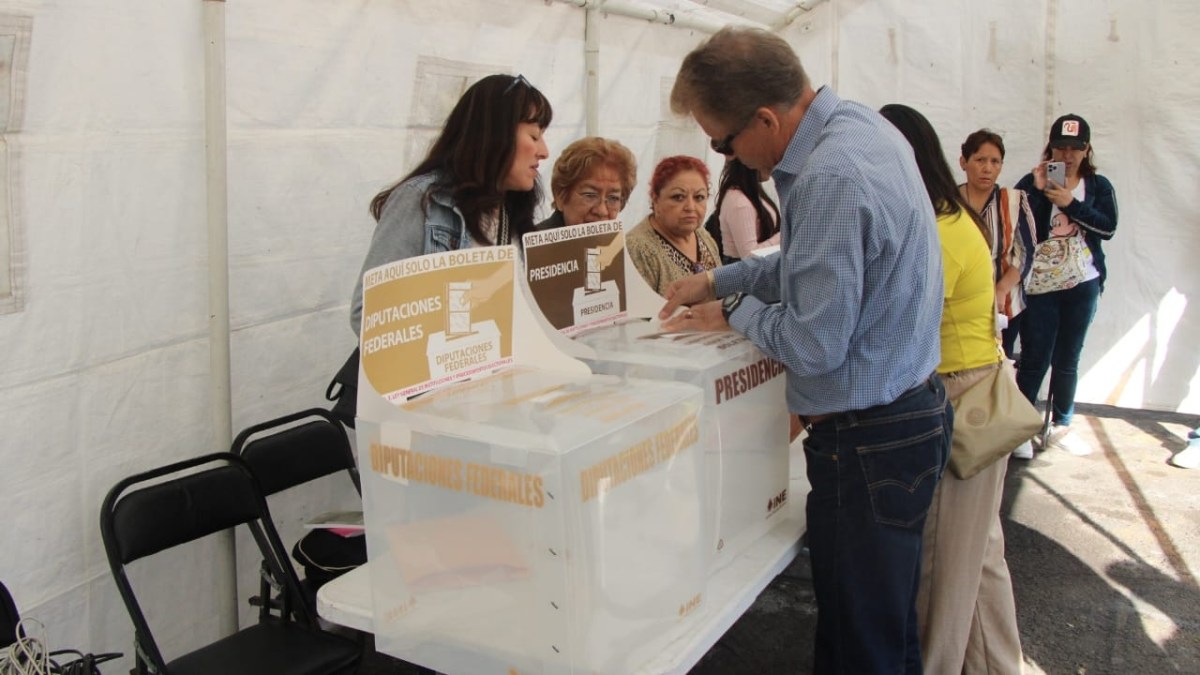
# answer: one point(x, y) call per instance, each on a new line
point(325, 555)
point(9, 618)
point(343, 391)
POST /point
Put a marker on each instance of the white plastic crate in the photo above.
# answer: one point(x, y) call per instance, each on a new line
point(534, 522)
point(744, 394)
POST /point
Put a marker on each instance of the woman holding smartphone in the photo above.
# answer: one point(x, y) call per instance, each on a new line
point(1074, 210)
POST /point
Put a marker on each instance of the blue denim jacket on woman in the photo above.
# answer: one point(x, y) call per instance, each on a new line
point(409, 226)
point(1096, 214)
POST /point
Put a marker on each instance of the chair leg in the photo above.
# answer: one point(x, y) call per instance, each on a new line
point(1046, 422)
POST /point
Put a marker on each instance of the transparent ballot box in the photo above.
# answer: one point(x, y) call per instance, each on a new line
point(536, 522)
point(744, 395)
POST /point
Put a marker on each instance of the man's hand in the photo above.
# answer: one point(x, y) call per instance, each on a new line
point(703, 317)
point(688, 291)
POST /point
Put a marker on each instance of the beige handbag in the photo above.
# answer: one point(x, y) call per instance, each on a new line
point(991, 419)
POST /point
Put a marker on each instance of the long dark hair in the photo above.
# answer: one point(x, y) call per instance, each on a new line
point(738, 176)
point(475, 150)
point(931, 161)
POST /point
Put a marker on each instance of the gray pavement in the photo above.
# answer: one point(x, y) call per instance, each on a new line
point(1104, 552)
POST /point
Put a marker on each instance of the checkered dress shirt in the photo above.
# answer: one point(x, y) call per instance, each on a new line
point(852, 302)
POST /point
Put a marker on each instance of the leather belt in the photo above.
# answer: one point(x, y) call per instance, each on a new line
point(808, 421)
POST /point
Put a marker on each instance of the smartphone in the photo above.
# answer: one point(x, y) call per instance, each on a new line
point(1057, 172)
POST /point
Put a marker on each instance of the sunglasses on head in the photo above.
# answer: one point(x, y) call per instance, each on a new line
point(519, 79)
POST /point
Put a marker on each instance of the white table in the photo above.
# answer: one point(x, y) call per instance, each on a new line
point(347, 599)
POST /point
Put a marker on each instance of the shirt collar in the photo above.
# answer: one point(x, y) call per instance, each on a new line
point(805, 138)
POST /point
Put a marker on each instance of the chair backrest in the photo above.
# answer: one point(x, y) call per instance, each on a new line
point(172, 505)
point(284, 453)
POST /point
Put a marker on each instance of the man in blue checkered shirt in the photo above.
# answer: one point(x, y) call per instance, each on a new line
point(851, 305)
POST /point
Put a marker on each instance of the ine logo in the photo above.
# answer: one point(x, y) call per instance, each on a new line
point(690, 606)
point(776, 502)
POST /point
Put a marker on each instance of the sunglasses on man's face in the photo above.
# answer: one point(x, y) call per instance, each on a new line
point(725, 145)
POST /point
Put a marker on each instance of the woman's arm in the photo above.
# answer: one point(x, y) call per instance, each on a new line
point(400, 234)
point(1100, 216)
point(739, 225)
point(1024, 236)
point(1006, 283)
point(645, 260)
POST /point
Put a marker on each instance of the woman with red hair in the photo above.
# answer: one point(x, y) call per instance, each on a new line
point(671, 242)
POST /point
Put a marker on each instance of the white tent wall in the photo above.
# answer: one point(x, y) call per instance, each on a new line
point(106, 364)
point(1128, 68)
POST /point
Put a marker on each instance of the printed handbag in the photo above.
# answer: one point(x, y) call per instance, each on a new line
point(1059, 263)
point(991, 419)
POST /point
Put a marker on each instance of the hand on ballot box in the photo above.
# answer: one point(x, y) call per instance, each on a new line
point(688, 291)
point(706, 316)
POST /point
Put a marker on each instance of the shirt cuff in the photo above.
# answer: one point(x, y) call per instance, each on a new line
point(728, 279)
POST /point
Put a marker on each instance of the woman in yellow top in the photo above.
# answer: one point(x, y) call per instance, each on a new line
point(965, 609)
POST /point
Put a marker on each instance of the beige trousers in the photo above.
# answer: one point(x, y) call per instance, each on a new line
point(965, 608)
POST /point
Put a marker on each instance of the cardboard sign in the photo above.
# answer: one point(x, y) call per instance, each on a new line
point(576, 274)
point(438, 318)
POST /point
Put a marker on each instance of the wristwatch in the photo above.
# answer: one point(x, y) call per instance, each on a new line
point(730, 303)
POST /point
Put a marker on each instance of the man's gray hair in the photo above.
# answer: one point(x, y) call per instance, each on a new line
point(737, 71)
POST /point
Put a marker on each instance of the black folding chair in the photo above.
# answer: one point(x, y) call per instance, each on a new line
point(286, 452)
point(156, 510)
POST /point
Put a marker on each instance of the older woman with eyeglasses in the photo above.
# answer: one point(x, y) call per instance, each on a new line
point(671, 243)
point(592, 181)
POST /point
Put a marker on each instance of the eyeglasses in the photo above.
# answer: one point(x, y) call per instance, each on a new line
point(611, 202)
point(519, 79)
point(697, 268)
point(725, 146)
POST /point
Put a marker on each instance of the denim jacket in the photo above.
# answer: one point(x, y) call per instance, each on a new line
point(1096, 214)
point(410, 227)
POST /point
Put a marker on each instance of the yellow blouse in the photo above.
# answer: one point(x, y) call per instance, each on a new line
point(969, 306)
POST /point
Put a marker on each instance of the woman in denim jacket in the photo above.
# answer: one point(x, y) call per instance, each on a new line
point(478, 186)
point(1055, 323)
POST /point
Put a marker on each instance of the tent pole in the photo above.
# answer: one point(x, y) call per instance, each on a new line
point(792, 14)
point(1051, 65)
point(591, 60)
point(218, 280)
point(836, 47)
point(669, 18)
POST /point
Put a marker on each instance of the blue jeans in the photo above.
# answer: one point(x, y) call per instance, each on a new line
point(1008, 336)
point(1052, 331)
point(873, 474)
